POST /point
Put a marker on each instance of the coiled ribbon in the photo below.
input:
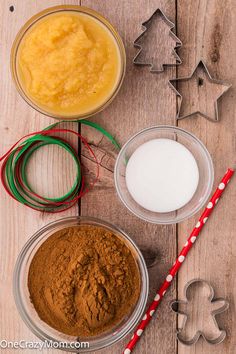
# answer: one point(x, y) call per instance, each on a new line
point(14, 176)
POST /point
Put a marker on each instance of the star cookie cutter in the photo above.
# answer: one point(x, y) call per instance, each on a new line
point(177, 43)
point(175, 307)
point(199, 82)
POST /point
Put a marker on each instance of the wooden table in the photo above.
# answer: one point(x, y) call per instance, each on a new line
point(207, 29)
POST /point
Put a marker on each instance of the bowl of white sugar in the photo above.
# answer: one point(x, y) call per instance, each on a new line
point(164, 174)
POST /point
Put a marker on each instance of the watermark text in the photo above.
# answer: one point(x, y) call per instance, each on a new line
point(24, 344)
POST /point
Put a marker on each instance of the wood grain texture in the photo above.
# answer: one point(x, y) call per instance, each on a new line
point(207, 30)
point(144, 100)
point(17, 222)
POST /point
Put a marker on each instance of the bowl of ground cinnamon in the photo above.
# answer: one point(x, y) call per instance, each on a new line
point(80, 284)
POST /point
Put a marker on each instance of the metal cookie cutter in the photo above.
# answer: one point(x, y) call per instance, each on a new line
point(180, 307)
point(198, 76)
point(158, 42)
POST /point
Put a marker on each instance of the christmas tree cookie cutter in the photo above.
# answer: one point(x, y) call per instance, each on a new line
point(156, 59)
point(180, 307)
point(200, 78)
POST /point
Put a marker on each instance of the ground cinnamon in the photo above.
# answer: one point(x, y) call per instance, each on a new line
point(83, 280)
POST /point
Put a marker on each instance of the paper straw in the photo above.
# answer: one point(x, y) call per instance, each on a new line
point(179, 261)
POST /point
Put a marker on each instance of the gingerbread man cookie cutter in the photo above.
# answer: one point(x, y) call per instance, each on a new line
point(176, 305)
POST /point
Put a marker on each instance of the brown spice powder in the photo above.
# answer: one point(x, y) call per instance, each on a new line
point(83, 280)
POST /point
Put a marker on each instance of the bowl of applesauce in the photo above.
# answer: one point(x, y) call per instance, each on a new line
point(68, 62)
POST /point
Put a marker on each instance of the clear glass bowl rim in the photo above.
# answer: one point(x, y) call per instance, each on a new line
point(108, 340)
point(171, 128)
point(31, 22)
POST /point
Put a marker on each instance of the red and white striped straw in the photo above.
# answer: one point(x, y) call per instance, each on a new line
point(179, 261)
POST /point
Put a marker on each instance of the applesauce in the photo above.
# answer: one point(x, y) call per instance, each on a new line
point(68, 63)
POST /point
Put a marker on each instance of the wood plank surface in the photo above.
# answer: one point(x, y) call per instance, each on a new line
point(207, 30)
point(18, 223)
point(144, 100)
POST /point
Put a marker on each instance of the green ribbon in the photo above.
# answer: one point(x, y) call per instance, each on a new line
point(15, 176)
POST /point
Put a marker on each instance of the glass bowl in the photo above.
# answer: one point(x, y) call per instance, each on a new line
point(201, 155)
point(55, 10)
point(49, 334)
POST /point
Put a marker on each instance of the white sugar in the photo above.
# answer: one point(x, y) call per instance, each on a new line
point(162, 175)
